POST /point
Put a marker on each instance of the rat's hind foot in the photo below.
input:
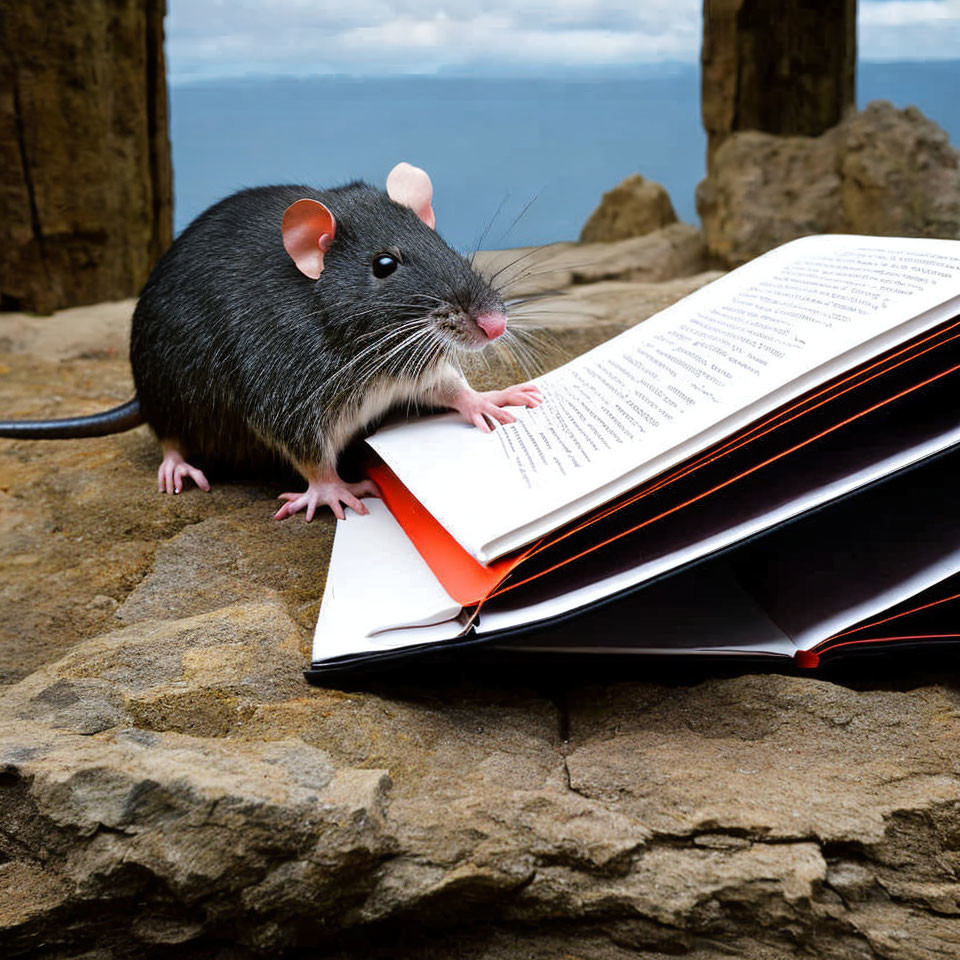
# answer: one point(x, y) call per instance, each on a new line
point(174, 468)
point(485, 410)
point(328, 489)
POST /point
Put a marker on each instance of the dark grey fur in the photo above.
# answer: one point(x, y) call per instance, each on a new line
point(235, 353)
point(242, 359)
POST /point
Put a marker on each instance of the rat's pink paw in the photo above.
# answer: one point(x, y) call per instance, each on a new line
point(521, 395)
point(485, 410)
point(335, 493)
point(173, 470)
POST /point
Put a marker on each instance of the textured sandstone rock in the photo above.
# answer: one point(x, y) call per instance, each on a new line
point(619, 302)
point(633, 208)
point(170, 787)
point(883, 171)
point(85, 179)
point(772, 813)
point(674, 251)
point(900, 174)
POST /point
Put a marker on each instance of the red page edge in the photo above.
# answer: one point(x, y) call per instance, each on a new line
point(466, 579)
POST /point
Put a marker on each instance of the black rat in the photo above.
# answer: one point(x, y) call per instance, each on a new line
point(285, 319)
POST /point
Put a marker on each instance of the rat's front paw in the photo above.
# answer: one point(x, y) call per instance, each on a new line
point(519, 395)
point(332, 492)
point(485, 410)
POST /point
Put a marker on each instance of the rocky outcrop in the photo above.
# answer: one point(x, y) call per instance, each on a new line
point(884, 171)
point(170, 786)
point(787, 68)
point(85, 178)
point(674, 251)
point(900, 175)
point(633, 208)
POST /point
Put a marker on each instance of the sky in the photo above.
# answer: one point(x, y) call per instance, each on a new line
point(230, 38)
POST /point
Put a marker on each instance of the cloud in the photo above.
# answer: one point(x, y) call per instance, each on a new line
point(239, 37)
point(909, 29)
point(898, 13)
point(213, 37)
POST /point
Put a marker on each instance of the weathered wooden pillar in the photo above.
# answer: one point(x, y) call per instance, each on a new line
point(780, 66)
point(85, 176)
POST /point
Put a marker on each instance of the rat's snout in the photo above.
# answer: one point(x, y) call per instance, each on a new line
point(467, 330)
point(492, 324)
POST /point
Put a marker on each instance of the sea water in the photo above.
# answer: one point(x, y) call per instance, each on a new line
point(525, 159)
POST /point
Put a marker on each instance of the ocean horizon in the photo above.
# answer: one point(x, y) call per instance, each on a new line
point(525, 158)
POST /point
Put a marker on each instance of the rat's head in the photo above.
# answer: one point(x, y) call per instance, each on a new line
point(381, 268)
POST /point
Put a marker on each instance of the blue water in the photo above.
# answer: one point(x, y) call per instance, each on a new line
point(485, 142)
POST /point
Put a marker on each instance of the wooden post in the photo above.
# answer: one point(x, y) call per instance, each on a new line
point(780, 66)
point(86, 195)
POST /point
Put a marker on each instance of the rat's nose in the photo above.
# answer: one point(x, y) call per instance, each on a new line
point(492, 324)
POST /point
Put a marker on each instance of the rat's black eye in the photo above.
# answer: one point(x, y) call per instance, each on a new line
point(384, 264)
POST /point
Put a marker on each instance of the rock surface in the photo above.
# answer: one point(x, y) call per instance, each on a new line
point(633, 208)
point(170, 787)
point(85, 179)
point(674, 251)
point(883, 171)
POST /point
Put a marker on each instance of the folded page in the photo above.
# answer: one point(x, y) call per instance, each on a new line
point(870, 554)
point(378, 582)
point(931, 614)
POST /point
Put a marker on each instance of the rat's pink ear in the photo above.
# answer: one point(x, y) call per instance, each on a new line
point(308, 232)
point(411, 186)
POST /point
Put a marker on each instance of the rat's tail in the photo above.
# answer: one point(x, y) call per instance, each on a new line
point(125, 417)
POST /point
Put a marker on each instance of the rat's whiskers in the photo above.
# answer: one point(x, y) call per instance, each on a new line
point(371, 357)
point(486, 229)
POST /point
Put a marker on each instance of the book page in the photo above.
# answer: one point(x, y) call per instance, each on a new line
point(673, 384)
point(378, 582)
point(874, 597)
point(724, 621)
point(852, 562)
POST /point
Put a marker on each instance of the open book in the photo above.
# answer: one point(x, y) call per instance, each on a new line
point(766, 468)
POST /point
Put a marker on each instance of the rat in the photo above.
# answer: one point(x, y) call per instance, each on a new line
point(285, 319)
